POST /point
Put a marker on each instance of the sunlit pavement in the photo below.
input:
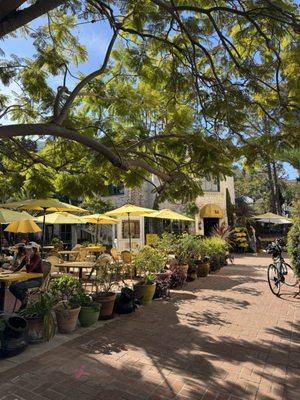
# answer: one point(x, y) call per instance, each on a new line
point(221, 337)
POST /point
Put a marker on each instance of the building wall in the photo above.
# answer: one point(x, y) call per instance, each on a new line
point(145, 198)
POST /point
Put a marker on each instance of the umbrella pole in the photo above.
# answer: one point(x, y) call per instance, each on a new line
point(43, 232)
point(1, 239)
point(129, 233)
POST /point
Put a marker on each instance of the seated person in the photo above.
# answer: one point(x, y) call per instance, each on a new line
point(16, 259)
point(33, 263)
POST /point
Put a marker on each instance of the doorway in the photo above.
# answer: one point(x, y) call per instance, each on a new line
point(209, 224)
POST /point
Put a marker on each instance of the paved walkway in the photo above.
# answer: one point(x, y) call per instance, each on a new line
point(222, 337)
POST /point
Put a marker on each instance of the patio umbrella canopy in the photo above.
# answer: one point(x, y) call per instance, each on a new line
point(23, 226)
point(169, 214)
point(45, 205)
point(272, 218)
point(7, 216)
point(99, 219)
point(130, 210)
point(61, 218)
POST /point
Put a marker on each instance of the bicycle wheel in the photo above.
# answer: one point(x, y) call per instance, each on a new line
point(290, 278)
point(274, 279)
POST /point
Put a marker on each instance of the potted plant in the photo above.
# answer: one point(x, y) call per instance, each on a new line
point(90, 310)
point(40, 318)
point(107, 276)
point(180, 265)
point(65, 290)
point(57, 244)
point(148, 262)
point(225, 233)
point(203, 263)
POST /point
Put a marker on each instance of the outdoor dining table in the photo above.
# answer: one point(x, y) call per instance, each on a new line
point(9, 276)
point(67, 253)
point(80, 265)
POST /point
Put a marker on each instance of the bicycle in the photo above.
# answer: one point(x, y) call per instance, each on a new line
point(279, 272)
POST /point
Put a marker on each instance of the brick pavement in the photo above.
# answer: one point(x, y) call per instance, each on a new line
point(221, 337)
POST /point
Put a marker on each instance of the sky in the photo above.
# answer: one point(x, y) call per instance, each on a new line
point(96, 37)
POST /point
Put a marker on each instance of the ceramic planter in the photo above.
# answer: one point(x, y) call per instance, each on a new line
point(203, 269)
point(35, 330)
point(144, 293)
point(89, 315)
point(107, 301)
point(214, 263)
point(66, 319)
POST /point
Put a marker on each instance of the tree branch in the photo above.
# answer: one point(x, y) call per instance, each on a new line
point(85, 81)
point(23, 17)
point(10, 131)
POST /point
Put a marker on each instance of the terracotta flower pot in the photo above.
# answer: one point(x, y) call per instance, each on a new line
point(144, 293)
point(203, 270)
point(66, 319)
point(107, 301)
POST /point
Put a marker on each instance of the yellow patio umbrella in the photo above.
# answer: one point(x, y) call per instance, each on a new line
point(60, 218)
point(129, 210)
point(169, 214)
point(7, 216)
point(23, 226)
point(44, 205)
point(99, 219)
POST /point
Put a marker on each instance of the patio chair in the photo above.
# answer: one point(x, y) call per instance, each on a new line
point(46, 268)
point(53, 260)
point(126, 260)
point(116, 255)
point(102, 261)
point(82, 255)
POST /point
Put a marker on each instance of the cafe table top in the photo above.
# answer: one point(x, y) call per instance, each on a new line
point(94, 248)
point(66, 252)
point(9, 276)
point(76, 264)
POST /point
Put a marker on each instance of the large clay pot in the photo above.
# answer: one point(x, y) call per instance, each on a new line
point(66, 319)
point(203, 269)
point(144, 293)
point(89, 315)
point(107, 301)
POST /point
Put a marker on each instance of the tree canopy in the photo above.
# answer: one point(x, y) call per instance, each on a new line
point(183, 90)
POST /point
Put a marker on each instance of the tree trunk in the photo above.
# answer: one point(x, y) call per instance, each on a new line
point(277, 196)
point(271, 187)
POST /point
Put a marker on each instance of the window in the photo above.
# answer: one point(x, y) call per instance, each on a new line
point(134, 229)
point(114, 190)
point(211, 185)
point(66, 233)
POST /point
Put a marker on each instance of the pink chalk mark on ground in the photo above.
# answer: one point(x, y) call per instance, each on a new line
point(79, 372)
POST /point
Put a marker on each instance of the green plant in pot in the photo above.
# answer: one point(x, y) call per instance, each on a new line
point(107, 276)
point(40, 318)
point(90, 310)
point(203, 264)
point(190, 251)
point(65, 290)
point(57, 244)
point(148, 262)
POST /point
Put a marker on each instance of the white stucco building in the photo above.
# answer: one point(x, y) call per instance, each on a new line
point(212, 210)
